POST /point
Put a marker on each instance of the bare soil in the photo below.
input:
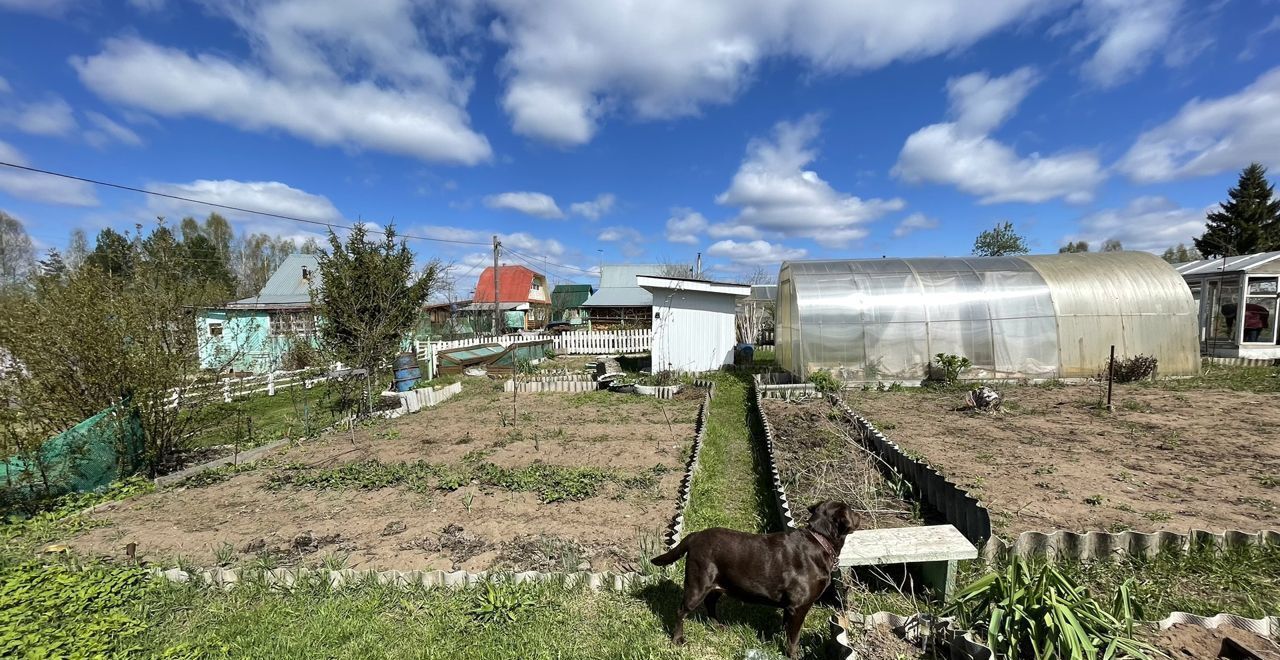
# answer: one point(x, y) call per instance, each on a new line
point(1053, 459)
point(1187, 642)
point(819, 458)
point(475, 527)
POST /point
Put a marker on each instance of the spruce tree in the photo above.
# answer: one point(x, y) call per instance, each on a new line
point(1248, 222)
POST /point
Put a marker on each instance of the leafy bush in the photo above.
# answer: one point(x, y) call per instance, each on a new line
point(660, 379)
point(300, 355)
point(949, 367)
point(1136, 368)
point(499, 604)
point(57, 610)
point(823, 381)
point(1032, 610)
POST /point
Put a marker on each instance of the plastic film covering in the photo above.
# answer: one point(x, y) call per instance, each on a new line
point(1131, 299)
point(884, 319)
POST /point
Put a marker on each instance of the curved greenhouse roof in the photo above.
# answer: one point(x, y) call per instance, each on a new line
point(1041, 316)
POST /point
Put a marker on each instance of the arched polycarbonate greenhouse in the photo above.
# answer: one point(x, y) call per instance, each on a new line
point(1036, 317)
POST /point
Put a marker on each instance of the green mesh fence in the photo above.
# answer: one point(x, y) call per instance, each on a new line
point(92, 454)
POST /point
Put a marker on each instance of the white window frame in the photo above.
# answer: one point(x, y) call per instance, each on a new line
point(1246, 296)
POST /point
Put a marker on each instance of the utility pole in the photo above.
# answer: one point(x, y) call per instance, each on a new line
point(697, 269)
point(496, 328)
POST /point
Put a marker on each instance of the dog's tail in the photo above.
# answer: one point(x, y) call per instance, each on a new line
point(670, 556)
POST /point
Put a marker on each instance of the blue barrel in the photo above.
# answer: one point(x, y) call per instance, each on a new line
point(407, 372)
point(407, 379)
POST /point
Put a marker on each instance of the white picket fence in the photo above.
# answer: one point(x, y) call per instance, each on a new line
point(601, 343)
point(228, 389)
point(569, 343)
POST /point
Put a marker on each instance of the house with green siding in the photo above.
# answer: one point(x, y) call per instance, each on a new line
point(566, 303)
point(254, 334)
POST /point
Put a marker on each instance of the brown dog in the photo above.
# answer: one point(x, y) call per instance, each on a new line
point(788, 570)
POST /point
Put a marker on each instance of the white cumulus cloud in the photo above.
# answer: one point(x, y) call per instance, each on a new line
point(620, 234)
point(266, 196)
point(108, 130)
point(776, 193)
point(596, 208)
point(685, 225)
point(1211, 136)
point(41, 187)
point(913, 223)
point(754, 252)
point(45, 7)
point(537, 204)
point(570, 63)
point(1145, 223)
point(356, 75)
point(963, 154)
point(50, 118)
point(1125, 36)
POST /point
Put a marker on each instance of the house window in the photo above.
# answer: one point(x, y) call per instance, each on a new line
point(536, 287)
point(1225, 310)
point(215, 329)
point(1260, 310)
point(292, 324)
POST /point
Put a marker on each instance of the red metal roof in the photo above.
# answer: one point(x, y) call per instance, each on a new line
point(514, 283)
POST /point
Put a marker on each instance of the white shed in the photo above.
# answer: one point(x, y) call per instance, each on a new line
point(693, 322)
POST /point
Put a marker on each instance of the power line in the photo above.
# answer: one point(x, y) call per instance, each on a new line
point(558, 265)
point(228, 207)
point(548, 266)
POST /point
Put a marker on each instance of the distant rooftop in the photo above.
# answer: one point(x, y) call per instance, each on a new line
point(289, 286)
point(1242, 263)
point(618, 286)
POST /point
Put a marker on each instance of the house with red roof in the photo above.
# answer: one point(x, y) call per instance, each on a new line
point(522, 296)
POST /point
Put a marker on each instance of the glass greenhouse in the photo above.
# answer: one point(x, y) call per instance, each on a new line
point(1037, 317)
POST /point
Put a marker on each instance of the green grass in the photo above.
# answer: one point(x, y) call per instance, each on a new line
point(260, 419)
point(1224, 377)
point(1244, 581)
point(552, 483)
point(764, 355)
point(376, 621)
point(729, 489)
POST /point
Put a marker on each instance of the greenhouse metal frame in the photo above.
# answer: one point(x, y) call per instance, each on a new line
point(1018, 317)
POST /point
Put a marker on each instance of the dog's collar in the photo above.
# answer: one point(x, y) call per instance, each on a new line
point(826, 547)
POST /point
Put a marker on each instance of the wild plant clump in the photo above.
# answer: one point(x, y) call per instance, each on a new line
point(1133, 369)
point(1034, 610)
point(947, 368)
point(824, 382)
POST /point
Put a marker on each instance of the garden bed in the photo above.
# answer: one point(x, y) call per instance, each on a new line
point(819, 457)
point(549, 482)
point(1055, 459)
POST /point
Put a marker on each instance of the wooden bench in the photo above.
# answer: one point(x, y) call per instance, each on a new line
point(936, 548)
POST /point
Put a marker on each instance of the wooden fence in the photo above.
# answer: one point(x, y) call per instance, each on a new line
point(228, 389)
point(569, 343)
point(600, 343)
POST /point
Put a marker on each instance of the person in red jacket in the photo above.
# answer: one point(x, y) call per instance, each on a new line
point(1256, 319)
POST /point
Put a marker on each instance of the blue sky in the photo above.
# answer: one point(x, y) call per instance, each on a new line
point(752, 131)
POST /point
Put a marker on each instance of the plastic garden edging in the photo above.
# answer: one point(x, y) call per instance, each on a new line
point(971, 517)
point(676, 529)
